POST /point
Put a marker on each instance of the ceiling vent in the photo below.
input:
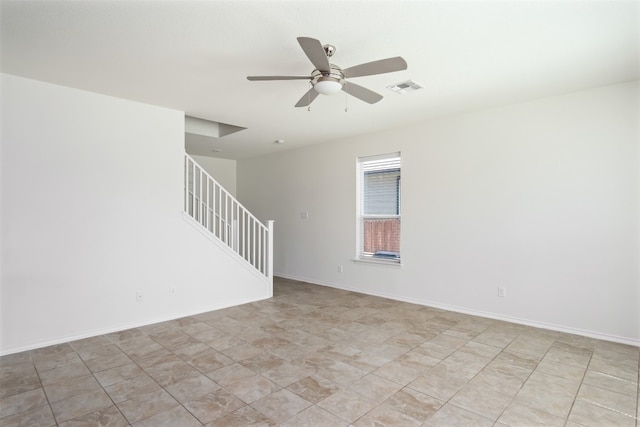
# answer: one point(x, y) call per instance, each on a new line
point(404, 87)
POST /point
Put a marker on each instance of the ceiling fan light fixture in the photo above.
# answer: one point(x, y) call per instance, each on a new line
point(328, 85)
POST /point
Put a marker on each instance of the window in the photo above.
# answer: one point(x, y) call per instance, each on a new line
point(379, 189)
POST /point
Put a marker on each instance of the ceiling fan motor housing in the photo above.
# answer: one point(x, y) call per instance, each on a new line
point(328, 82)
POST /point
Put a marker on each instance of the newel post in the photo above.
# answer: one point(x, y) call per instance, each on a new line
point(270, 257)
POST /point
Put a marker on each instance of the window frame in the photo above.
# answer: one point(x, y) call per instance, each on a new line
point(360, 254)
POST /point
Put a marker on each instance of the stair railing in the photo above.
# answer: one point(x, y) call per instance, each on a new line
point(222, 215)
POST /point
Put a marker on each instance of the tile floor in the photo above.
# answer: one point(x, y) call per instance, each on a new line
point(316, 356)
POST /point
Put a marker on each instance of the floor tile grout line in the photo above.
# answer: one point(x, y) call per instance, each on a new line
point(44, 391)
point(575, 398)
point(591, 402)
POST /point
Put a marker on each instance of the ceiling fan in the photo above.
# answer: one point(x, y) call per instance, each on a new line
point(328, 79)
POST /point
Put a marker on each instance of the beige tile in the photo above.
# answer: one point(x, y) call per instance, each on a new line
point(288, 372)
point(18, 382)
point(508, 370)
point(22, 402)
point(315, 416)
point(224, 342)
point(480, 400)
point(609, 382)
point(618, 353)
point(530, 345)
point(108, 417)
point(118, 374)
point(347, 405)
point(136, 344)
point(40, 416)
point(62, 373)
point(208, 360)
point(147, 405)
point(613, 368)
point(550, 367)
point(213, 405)
point(72, 387)
point(243, 417)
point(341, 373)
point(313, 389)
point(10, 361)
point(418, 406)
point(242, 352)
point(229, 374)
point(188, 352)
point(172, 372)
point(496, 337)
point(252, 388)
point(386, 417)
point(146, 355)
point(418, 360)
point(208, 335)
point(95, 351)
point(440, 387)
point(100, 364)
point(591, 415)
point(399, 372)
point(375, 388)
point(192, 388)
point(132, 388)
point(519, 415)
point(177, 416)
point(608, 399)
point(435, 350)
point(262, 362)
point(450, 415)
point(563, 354)
point(127, 335)
point(367, 361)
point(548, 394)
point(11, 371)
point(80, 405)
point(281, 405)
point(448, 341)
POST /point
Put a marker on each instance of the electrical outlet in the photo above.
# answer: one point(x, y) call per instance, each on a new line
point(502, 292)
point(340, 269)
point(139, 297)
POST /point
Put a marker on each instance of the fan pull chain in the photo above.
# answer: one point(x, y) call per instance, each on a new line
point(346, 102)
point(309, 97)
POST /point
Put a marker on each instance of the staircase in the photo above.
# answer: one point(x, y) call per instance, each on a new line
point(222, 216)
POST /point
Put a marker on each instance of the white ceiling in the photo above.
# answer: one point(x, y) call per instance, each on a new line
point(194, 56)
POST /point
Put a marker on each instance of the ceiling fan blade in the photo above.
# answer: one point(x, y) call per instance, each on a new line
point(381, 66)
point(361, 93)
point(315, 52)
point(307, 98)
point(258, 78)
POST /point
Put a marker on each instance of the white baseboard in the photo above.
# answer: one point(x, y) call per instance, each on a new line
point(494, 316)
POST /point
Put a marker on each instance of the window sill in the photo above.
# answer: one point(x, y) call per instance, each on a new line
point(379, 262)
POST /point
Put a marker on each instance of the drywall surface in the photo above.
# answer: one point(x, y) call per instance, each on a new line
point(540, 198)
point(92, 197)
point(222, 170)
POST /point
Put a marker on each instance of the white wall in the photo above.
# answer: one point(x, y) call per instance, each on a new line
point(92, 213)
point(222, 170)
point(540, 198)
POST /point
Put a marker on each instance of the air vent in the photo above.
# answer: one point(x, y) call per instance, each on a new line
point(404, 87)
